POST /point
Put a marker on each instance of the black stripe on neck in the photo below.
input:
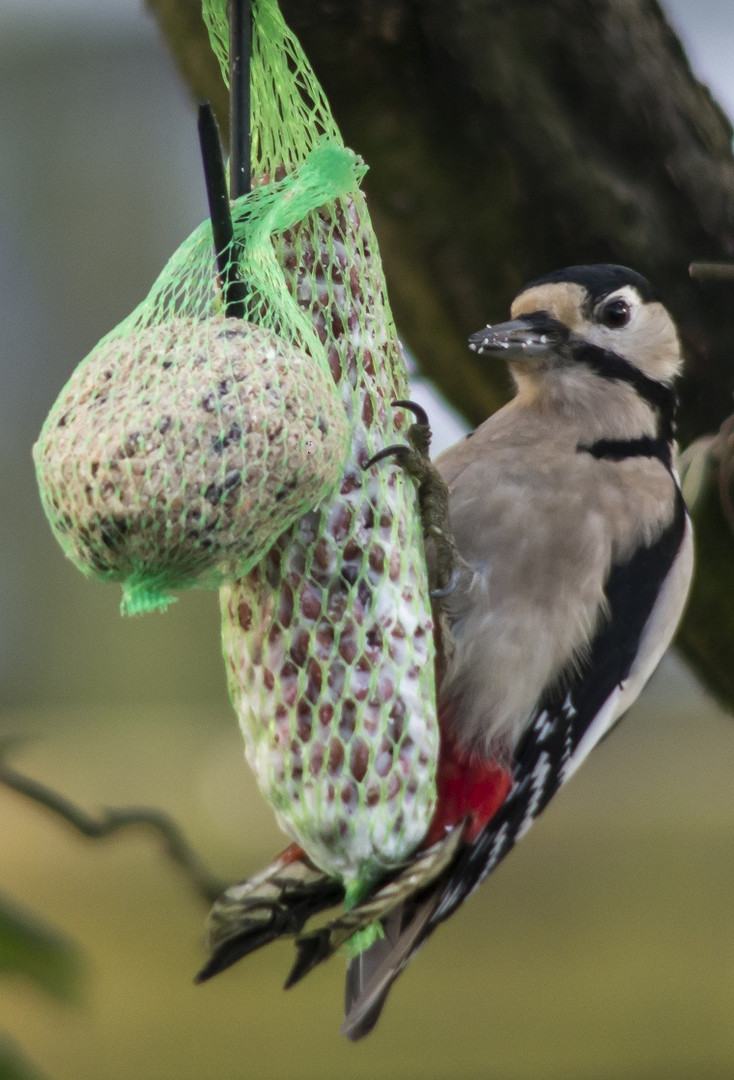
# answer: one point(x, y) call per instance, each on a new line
point(610, 366)
point(621, 449)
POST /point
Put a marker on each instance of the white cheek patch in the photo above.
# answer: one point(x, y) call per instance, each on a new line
point(649, 341)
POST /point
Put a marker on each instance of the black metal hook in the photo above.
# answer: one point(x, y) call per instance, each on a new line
point(240, 51)
point(234, 290)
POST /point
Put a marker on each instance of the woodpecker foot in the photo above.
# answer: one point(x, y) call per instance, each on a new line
point(277, 902)
point(417, 877)
point(433, 496)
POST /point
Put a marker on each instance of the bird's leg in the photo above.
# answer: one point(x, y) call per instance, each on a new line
point(417, 877)
point(433, 496)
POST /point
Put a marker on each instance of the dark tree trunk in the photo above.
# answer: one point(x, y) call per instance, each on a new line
point(506, 138)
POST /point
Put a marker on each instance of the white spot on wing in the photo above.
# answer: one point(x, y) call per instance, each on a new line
point(544, 725)
point(496, 852)
point(538, 779)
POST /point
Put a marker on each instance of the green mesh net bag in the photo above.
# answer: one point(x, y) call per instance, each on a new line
point(187, 440)
point(193, 448)
point(328, 640)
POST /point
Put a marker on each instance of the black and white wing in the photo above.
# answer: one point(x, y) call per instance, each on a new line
point(645, 597)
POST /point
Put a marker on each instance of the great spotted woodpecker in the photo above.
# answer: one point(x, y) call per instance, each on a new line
point(573, 555)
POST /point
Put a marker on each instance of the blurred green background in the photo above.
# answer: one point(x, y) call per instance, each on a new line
point(602, 949)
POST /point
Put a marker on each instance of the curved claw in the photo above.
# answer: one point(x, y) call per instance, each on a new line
point(418, 411)
point(448, 588)
point(397, 450)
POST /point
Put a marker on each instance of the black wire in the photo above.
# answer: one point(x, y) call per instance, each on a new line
point(233, 288)
point(240, 51)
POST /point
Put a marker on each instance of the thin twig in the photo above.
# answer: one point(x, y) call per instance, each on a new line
point(705, 271)
point(112, 820)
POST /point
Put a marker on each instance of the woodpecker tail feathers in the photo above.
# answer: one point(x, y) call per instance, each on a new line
point(423, 874)
point(370, 975)
point(280, 900)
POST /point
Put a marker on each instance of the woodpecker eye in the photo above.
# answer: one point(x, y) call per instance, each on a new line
point(615, 314)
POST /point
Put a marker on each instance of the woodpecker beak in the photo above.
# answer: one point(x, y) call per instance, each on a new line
point(521, 339)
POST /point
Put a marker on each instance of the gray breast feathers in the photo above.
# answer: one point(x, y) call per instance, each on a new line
point(539, 526)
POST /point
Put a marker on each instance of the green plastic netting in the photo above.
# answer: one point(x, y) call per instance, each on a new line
point(328, 641)
point(192, 448)
point(187, 441)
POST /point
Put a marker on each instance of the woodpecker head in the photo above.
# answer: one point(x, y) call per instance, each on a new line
point(599, 318)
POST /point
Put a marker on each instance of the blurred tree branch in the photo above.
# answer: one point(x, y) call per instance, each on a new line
point(509, 137)
point(113, 820)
